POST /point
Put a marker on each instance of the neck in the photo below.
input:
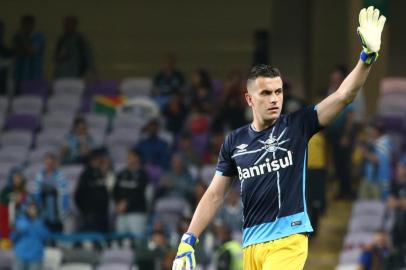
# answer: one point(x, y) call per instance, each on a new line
point(261, 125)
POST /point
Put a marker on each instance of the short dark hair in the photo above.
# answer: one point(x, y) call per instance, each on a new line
point(263, 71)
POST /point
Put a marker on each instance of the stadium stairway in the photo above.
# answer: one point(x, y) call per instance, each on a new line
point(324, 249)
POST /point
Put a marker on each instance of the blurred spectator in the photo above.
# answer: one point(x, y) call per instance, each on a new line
point(29, 239)
point(107, 172)
point(231, 113)
point(317, 176)
point(198, 122)
point(5, 54)
point(177, 181)
point(231, 212)
point(186, 150)
point(168, 80)
point(51, 192)
point(91, 195)
point(199, 190)
point(339, 135)
point(375, 255)
point(152, 149)
point(211, 153)
point(29, 48)
point(200, 92)
point(151, 253)
point(397, 202)
point(72, 54)
point(228, 256)
point(12, 198)
point(377, 155)
point(78, 143)
point(129, 196)
point(175, 113)
point(291, 102)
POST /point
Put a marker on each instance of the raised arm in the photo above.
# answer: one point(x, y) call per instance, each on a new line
point(369, 31)
point(205, 212)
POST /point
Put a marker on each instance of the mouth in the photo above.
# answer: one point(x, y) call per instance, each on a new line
point(273, 109)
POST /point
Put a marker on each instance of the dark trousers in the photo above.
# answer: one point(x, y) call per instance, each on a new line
point(316, 195)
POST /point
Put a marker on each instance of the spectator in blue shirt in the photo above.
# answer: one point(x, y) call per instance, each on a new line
point(29, 239)
point(152, 149)
point(78, 143)
point(51, 192)
point(377, 171)
point(375, 255)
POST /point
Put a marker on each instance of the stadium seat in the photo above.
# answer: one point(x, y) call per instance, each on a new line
point(95, 120)
point(133, 87)
point(22, 122)
point(52, 258)
point(129, 122)
point(35, 87)
point(357, 240)
point(350, 256)
point(207, 173)
point(27, 104)
point(368, 207)
point(169, 210)
point(119, 153)
point(14, 153)
point(6, 259)
point(68, 86)
point(114, 266)
point(122, 137)
point(63, 105)
point(122, 256)
point(3, 105)
point(51, 137)
point(57, 120)
point(351, 266)
point(103, 87)
point(89, 257)
point(16, 138)
point(76, 266)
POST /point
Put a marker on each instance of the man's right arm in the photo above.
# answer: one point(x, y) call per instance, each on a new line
point(209, 204)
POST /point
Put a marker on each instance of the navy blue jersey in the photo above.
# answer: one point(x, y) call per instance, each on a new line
point(271, 166)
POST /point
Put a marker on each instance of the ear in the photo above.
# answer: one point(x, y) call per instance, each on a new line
point(248, 98)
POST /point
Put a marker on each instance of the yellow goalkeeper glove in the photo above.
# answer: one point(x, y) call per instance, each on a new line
point(185, 258)
point(370, 31)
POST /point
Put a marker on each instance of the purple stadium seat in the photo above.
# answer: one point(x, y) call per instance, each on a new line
point(114, 266)
point(6, 259)
point(200, 142)
point(86, 105)
point(154, 173)
point(104, 87)
point(122, 256)
point(37, 88)
point(22, 122)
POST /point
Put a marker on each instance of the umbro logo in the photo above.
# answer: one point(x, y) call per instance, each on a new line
point(241, 147)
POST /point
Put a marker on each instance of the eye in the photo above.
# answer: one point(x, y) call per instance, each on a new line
point(278, 91)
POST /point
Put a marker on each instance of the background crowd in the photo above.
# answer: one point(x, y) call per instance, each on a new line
point(132, 180)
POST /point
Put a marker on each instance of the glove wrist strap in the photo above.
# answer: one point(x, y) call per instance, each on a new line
point(190, 238)
point(368, 58)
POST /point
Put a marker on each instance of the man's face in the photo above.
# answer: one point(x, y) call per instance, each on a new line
point(265, 97)
point(50, 163)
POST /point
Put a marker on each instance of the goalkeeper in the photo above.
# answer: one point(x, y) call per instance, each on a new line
point(269, 158)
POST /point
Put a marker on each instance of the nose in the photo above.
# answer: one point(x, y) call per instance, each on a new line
point(272, 98)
